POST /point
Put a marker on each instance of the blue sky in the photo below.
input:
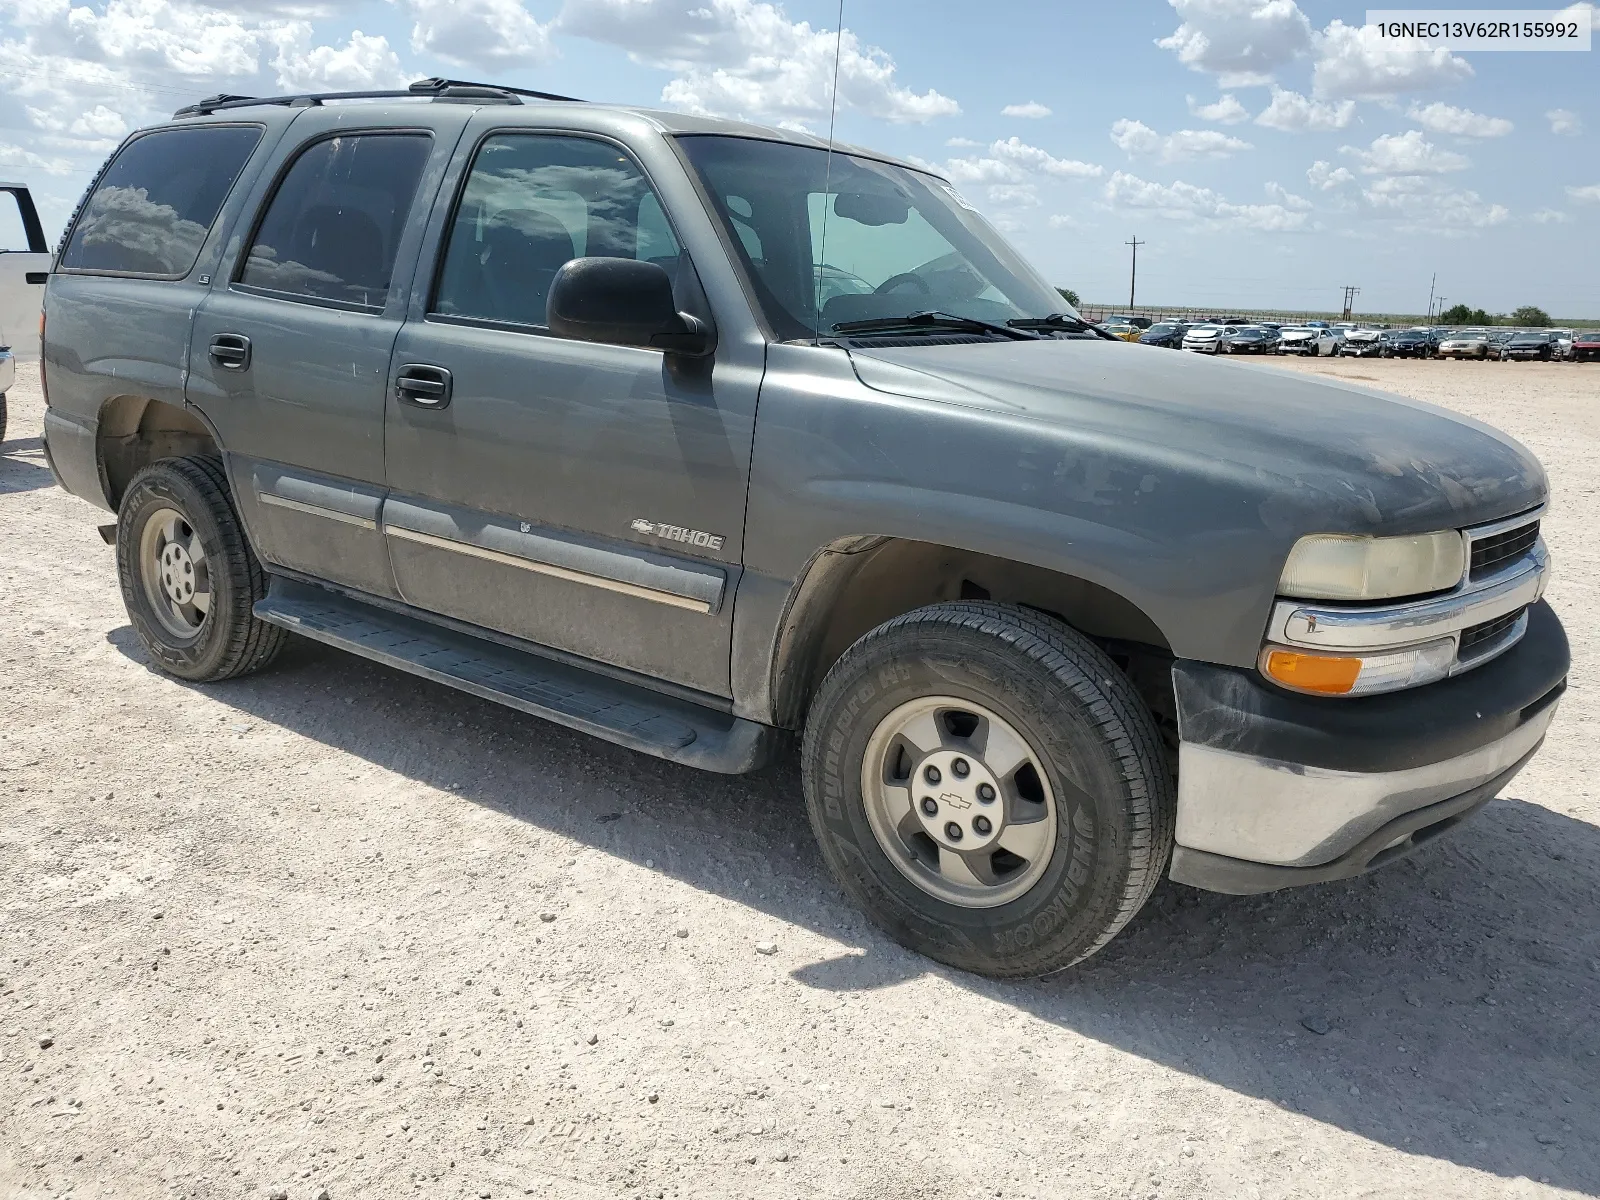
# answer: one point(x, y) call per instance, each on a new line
point(1266, 151)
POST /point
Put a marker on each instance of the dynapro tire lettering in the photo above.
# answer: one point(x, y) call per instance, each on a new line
point(677, 533)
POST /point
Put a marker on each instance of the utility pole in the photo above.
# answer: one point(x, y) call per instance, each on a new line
point(1442, 299)
point(1431, 284)
point(1133, 274)
point(1350, 294)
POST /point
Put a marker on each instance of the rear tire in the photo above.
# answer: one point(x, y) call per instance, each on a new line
point(189, 578)
point(1080, 795)
point(2, 417)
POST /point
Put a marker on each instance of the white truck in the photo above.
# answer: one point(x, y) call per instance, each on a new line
point(24, 266)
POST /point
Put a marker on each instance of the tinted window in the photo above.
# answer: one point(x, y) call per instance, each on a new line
point(152, 209)
point(530, 204)
point(331, 230)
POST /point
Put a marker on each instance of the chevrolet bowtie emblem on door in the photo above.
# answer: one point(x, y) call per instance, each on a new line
point(677, 533)
point(954, 800)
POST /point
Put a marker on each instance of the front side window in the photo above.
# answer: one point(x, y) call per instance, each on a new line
point(333, 226)
point(531, 203)
point(858, 239)
point(153, 207)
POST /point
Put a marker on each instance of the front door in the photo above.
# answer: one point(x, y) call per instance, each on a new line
point(289, 357)
point(585, 497)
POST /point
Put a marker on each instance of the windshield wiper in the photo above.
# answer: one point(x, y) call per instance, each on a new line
point(931, 321)
point(1062, 322)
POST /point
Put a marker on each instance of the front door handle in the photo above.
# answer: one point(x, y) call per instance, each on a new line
point(230, 351)
point(423, 386)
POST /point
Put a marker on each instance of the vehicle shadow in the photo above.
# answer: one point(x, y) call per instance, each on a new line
point(1444, 1007)
point(22, 474)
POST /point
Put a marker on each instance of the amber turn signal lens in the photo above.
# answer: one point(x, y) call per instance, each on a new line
point(1313, 672)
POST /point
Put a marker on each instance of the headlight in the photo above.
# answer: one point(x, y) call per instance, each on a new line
point(1359, 674)
point(1337, 566)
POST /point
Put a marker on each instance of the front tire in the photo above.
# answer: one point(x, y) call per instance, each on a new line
point(988, 787)
point(189, 578)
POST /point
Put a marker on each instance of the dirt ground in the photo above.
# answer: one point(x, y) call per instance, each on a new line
point(335, 930)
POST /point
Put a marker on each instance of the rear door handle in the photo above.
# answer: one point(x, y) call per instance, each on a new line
point(230, 351)
point(35, 276)
point(423, 386)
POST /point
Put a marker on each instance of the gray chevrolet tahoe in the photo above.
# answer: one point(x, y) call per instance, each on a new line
point(698, 436)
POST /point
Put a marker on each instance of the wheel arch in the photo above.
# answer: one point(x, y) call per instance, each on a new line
point(134, 431)
point(854, 584)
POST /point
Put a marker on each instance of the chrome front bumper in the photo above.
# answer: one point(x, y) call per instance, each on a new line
point(1291, 815)
point(1278, 789)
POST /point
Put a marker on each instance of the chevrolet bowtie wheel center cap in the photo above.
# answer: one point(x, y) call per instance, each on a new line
point(958, 800)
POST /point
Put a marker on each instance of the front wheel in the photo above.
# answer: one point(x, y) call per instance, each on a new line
point(988, 787)
point(189, 578)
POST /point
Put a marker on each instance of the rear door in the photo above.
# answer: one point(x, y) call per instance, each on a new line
point(290, 352)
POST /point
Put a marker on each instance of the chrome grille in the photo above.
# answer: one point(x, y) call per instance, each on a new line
point(1492, 552)
point(1476, 638)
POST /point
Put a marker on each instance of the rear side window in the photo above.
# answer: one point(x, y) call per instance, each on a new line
point(331, 230)
point(152, 208)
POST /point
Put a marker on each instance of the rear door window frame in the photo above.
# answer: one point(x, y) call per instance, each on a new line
point(242, 255)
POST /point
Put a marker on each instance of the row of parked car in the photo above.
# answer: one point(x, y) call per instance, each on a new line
point(1322, 338)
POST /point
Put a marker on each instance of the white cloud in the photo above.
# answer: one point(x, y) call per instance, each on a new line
point(1423, 204)
point(488, 33)
point(1564, 121)
point(1015, 150)
point(1324, 176)
point(1032, 110)
point(1293, 113)
point(1186, 202)
point(1585, 195)
point(1279, 194)
point(1019, 194)
point(362, 63)
point(1550, 216)
point(1357, 62)
point(747, 58)
point(961, 143)
point(981, 170)
point(1240, 41)
point(1138, 139)
point(1459, 122)
point(1011, 160)
point(1064, 221)
point(1406, 153)
point(1226, 111)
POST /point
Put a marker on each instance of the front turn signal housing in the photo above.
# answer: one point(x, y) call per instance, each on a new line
point(1358, 674)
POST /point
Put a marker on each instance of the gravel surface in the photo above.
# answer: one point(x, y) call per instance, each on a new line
point(335, 930)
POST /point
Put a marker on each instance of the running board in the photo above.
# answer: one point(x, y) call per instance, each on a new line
point(608, 708)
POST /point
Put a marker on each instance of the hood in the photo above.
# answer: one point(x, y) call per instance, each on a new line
point(1363, 335)
point(1308, 453)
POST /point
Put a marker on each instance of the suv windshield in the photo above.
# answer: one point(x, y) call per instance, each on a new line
point(896, 241)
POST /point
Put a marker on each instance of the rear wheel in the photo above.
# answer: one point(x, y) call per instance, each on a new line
point(189, 578)
point(989, 787)
point(2, 416)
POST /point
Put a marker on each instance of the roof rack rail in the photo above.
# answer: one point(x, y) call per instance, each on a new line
point(438, 89)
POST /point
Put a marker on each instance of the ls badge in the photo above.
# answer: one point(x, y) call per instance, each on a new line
point(677, 533)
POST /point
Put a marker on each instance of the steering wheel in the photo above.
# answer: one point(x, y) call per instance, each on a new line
point(894, 281)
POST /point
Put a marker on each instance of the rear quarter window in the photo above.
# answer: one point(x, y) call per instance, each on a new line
point(152, 208)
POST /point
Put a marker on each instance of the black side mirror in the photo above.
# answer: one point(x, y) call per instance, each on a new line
point(623, 302)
